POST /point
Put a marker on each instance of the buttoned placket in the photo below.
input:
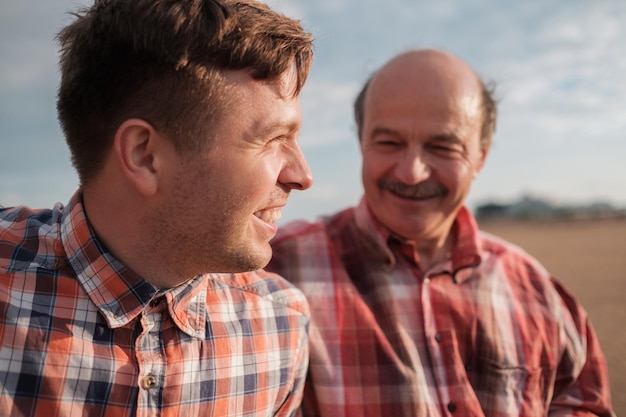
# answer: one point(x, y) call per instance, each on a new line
point(151, 358)
point(433, 342)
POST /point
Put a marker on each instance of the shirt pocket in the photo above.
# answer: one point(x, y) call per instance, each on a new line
point(519, 390)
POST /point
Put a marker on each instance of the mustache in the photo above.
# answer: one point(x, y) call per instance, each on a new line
point(416, 191)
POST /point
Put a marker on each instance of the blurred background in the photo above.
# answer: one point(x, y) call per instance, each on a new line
point(560, 67)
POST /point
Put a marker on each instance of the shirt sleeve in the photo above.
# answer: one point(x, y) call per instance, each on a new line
point(582, 383)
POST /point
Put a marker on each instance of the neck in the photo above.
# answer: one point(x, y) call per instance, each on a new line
point(111, 216)
point(432, 253)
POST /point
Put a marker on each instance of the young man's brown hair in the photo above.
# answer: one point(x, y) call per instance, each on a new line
point(162, 61)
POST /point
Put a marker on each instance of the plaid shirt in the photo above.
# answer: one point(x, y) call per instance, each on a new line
point(487, 333)
point(81, 335)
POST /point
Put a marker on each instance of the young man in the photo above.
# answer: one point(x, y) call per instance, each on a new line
point(414, 311)
point(182, 119)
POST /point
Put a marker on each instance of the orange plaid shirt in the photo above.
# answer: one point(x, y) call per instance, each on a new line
point(82, 335)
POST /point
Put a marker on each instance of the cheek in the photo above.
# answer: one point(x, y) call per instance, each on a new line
point(240, 173)
point(263, 171)
point(369, 178)
point(375, 166)
point(456, 176)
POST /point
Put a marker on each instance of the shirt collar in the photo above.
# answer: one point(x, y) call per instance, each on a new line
point(465, 254)
point(467, 251)
point(118, 292)
point(366, 221)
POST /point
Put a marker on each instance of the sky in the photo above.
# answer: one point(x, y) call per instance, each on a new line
point(560, 68)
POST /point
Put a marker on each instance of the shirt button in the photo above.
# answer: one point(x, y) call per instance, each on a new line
point(156, 301)
point(426, 280)
point(438, 338)
point(451, 407)
point(148, 382)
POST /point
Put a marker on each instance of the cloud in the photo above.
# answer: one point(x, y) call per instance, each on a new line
point(559, 66)
point(327, 112)
point(288, 8)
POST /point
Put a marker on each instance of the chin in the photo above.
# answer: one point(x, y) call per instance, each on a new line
point(253, 258)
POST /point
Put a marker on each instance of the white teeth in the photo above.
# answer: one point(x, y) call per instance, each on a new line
point(269, 216)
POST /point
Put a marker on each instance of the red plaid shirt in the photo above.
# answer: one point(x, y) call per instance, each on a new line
point(81, 335)
point(487, 333)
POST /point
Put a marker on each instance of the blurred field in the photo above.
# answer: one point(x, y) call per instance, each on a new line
point(589, 257)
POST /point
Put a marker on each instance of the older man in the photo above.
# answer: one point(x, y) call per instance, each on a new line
point(415, 312)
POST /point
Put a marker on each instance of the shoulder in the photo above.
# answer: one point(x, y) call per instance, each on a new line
point(302, 231)
point(28, 236)
point(298, 230)
point(507, 262)
point(20, 219)
point(525, 275)
point(506, 251)
point(295, 240)
point(303, 245)
point(262, 286)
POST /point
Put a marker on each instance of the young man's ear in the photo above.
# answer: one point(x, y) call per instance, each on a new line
point(134, 146)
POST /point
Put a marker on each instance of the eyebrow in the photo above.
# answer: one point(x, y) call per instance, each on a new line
point(441, 137)
point(272, 130)
point(284, 128)
point(385, 131)
point(448, 138)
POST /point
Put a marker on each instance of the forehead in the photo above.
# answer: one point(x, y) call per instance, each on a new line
point(285, 86)
point(260, 105)
point(419, 97)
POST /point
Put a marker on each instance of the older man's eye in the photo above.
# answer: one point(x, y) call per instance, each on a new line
point(446, 150)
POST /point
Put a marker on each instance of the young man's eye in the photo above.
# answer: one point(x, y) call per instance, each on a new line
point(276, 139)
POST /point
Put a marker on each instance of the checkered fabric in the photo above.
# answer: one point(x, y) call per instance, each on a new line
point(82, 335)
point(487, 333)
